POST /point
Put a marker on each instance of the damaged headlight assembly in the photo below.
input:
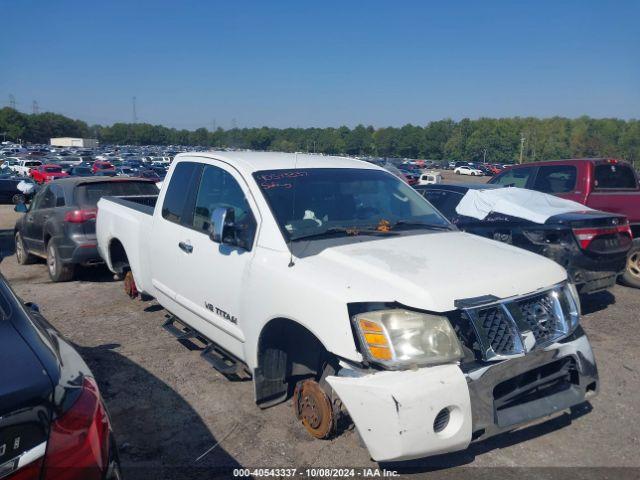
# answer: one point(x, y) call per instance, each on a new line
point(399, 338)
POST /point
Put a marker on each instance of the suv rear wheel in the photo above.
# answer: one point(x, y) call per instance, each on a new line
point(58, 271)
point(631, 275)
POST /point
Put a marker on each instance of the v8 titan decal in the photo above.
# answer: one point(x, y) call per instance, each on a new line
point(221, 313)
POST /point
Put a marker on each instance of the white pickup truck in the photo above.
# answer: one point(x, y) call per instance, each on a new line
point(332, 282)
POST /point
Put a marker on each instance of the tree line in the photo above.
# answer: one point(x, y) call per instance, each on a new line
point(493, 139)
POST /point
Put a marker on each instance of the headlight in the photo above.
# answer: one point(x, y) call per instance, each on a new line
point(399, 338)
point(574, 307)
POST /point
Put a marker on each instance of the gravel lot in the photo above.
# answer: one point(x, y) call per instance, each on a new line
point(169, 407)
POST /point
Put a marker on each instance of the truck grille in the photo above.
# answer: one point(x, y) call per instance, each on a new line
point(514, 327)
point(541, 318)
point(496, 328)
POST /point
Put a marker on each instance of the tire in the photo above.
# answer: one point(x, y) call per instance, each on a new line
point(18, 198)
point(22, 254)
point(457, 173)
point(58, 271)
point(631, 275)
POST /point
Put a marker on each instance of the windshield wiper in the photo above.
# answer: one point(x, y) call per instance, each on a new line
point(342, 231)
point(429, 226)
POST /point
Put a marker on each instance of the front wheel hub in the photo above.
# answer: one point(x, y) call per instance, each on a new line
point(313, 407)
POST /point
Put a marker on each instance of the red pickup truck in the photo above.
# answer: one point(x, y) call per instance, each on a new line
point(600, 183)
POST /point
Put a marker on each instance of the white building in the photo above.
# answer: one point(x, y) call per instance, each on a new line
point(74, 142)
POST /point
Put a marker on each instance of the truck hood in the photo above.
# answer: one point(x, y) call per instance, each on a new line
point(431, 271)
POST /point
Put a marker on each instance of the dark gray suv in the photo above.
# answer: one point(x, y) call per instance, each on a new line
point(60, 223)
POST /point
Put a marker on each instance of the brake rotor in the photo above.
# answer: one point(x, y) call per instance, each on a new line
point(313, 407)
point(130, 287)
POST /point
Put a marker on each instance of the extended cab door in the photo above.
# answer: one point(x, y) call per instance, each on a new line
point(206, 279)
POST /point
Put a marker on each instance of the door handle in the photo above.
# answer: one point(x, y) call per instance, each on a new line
point(185, 247)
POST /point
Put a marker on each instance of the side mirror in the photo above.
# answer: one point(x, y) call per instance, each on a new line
point(21, 208)
point(223, 226)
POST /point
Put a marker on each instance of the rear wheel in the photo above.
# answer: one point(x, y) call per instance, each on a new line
point(631, 275)
point(22, 254)
point(58, 271)
point(130, 287)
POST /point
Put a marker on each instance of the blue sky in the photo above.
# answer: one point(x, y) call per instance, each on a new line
point(323, 63)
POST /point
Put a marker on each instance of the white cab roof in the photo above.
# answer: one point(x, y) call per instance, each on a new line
point(250, 162)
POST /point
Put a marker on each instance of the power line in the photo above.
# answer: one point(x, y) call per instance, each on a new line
point(135, 115)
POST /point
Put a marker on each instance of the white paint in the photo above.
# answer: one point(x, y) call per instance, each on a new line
point(394, 411)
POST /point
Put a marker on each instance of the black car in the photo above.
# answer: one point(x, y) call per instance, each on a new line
point(53, 420)
point(80, 171)
point(60, 224)
point(592, 265)
point(9, 192)
point(106, 173)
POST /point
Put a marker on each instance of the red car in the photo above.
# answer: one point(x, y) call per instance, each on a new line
point(100, 165)
point(494, 169)
point(604, 184)
point(46, 173)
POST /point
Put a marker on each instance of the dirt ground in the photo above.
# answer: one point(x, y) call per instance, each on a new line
point(176, 417)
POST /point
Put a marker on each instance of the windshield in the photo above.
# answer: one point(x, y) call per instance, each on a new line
point(310, 202)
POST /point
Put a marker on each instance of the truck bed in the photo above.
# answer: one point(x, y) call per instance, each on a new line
point(142, 203)
point(123, 223)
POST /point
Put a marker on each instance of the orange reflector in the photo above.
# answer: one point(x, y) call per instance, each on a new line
point(368, 326)
point(381, 353)
point(375, 339)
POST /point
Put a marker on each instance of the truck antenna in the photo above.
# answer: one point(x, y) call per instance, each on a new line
point(293, 206)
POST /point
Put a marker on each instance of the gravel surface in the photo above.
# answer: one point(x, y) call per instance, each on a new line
point(174, 416)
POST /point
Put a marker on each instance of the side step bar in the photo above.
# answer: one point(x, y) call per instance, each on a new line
point(219, 360)
point(213, 354)
point(180, 333)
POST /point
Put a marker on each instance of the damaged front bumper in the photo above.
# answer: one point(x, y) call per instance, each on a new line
point(403, 415)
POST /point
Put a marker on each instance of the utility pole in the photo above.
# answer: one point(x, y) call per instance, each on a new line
point(135, 115)
point(12, 101)
point(522, 139)
point(213, 125)
point(35, 107)
point(484, 155)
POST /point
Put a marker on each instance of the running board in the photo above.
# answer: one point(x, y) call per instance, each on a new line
point(218, 359)
point(181, 334)
point(214, 355)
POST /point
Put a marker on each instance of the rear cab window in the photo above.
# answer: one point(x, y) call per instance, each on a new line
point(177, 197)
point(514, 177)
point(88, 194)
point(556, 179)
point(614, 176)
